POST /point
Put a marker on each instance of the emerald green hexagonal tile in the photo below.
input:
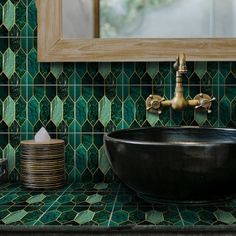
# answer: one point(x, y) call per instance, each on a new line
point(81, 158)
point(152, 68)
point(84, 217)
point(152, 118)
point(9, 14)
point(101, 186)
point(32, 12)
point(116, 111)
point(129, 111)
point(9, 111)
point(154, 217)
point(92, 111)
point(190, 216)
point(137, 216)
point(66, 198)
point(36, 198)
point(14, 217)
point(92, 158)
point(200, 68)
point(120, 216)
point(7, 199)
point(56, 69)
point(101, 216)
point(9, 62)
point(33, 63)
point(104, 111)
point(95, 198)
point(171, 216)
point(56, 111)
point(104, 68)
point(33, 110)
point(225, 217)
point(81, 110)
point(66, 217)
point(200, 117)
point(50, 216)
point(207, 216)
point(20, 111)
point(224, 111)
point(68, 111)
point(44, 110)
point(103, 162)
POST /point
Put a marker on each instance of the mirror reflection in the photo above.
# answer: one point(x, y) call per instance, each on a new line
point(149, 18)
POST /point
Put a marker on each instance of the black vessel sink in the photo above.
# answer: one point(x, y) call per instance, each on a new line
point(175, 164)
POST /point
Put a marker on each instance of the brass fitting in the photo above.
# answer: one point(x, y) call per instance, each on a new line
point(156, 103)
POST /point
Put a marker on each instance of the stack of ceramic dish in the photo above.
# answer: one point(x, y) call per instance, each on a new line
point(43, 164)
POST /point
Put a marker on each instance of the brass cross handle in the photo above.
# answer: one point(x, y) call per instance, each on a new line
point(205, 102)
point(153, 104)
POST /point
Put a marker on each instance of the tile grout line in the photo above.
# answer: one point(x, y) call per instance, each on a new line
point(75, 133)
point(113, 207)
point(123, 85)
point(182, 221)
point(218, 98)
point(27, 68)
point(123, 92)
point(52, 204)
point(8, 193)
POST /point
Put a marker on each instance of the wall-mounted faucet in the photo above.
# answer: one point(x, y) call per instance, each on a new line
point(156, 103)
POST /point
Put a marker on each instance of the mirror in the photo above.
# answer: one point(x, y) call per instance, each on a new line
point(149, 18)
point(136, 30)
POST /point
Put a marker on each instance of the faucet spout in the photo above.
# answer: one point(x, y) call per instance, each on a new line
point(179, 102)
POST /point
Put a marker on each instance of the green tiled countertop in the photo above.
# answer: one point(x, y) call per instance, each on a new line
point(105, 206)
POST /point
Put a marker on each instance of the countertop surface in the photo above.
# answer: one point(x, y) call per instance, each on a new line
point(104, 205)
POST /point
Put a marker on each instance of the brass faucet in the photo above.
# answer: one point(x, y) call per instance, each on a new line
point(156, 103)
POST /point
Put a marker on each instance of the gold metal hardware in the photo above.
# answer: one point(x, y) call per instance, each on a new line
point(205, 102)
point(156, 103)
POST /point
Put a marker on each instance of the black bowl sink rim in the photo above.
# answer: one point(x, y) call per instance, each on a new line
point(110, 136)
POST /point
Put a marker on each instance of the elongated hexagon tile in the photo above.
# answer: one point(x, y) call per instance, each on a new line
point(9, 111)
point(129, 111)
point(33, 110)
point(66, 198)
point(8, 63)
point(56, 111)
point(104, 68)
point(56, 69)
point(154, 217)
point(225, 217)
point(101, 186)
point(120, 216)
point(152, 118)
point(207, 216)
point(104, 111)
point(33, 63)
point(190, 216)
point(81, 111)
point(14, 217)
point(81, 158)
point(103, 162)
point(84, 217)
point(200, 68)
point(50, 216)
point(9, 14)
point(95, 198)
point(35, 199)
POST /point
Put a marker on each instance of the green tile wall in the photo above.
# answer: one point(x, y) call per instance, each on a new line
point(78, 102)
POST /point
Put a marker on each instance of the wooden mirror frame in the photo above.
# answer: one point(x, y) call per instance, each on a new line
point(52, 47)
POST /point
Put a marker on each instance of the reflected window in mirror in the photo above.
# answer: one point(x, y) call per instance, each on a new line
point(149, 18)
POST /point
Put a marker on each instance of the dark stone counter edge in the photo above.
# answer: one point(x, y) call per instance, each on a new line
point(126, 230)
